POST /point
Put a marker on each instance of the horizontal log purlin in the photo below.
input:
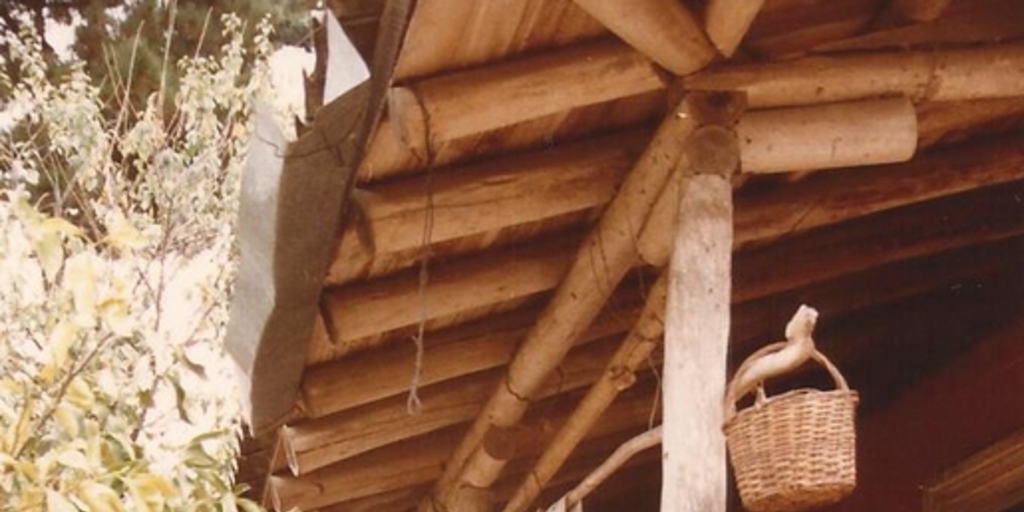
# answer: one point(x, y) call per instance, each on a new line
point(821, 199)
point(363, 310)
point(419, 460)
point(496, 194)
point(937, 121)
point(320, 442)
point(987, 72)
point(336, 437)
point(457, 351)
point(477, 100)
point(836, 135)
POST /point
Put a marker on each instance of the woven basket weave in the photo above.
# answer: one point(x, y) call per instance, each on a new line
point(795, 451)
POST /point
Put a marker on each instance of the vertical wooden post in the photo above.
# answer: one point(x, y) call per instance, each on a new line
point(697, 327)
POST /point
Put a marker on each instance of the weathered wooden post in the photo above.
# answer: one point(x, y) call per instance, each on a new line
point(697, 321)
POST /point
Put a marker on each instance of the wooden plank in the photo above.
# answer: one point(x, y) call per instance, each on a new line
point(465, 34)
point(985, 72)
point(966, 405)
point(855, 133)
point(486, 197)
point(601, 263)
point(787, 28)
point(663, 30)
point(478, 100)
point(988, 481)
point(989, 22)
point(727, 21)
point(696, 340)
point(988, 215)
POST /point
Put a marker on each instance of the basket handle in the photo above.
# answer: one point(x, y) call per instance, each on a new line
point(734, 394)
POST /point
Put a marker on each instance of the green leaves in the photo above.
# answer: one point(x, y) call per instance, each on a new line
point(116, 247)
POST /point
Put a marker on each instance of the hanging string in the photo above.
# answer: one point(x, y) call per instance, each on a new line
point(413, 404)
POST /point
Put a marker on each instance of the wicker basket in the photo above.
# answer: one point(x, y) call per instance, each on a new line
point(797, 450)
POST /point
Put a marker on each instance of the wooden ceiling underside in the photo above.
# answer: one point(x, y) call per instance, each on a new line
point(916, 267)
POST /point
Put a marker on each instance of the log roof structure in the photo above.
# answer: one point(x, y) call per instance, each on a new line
point(515, 168)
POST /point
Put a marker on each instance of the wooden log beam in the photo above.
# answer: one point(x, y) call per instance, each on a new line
point(985, 72)
point(315, 443)
point(418, 460)
point(618, 375)
point(697, 331)
point(605, 257)
point(557, 187)
point(483, 198)
point(663, 30)
point(828, 198)
point(356, 315)
point(453, 352)
point(478, 100)
point(815, 201)
point(727, 21)
point(854, 133)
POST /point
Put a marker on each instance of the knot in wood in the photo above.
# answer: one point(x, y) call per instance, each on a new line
point(621, 377)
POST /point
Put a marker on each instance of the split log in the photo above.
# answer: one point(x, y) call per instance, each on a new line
point(487, 197)
point(477, 100)
point(697, 336)
point(727, 21)
point(988, 215)
point(986, 72)
point(856, 133)
point(605, 257)
point(618, 375)
point(663, 30)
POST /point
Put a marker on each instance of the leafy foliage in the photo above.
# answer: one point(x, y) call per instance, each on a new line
point(116, 262)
